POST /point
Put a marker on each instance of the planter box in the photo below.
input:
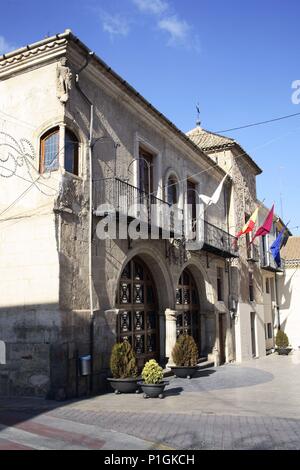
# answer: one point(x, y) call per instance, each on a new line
point(184, 372)
point(153, 390)
point(128, 385)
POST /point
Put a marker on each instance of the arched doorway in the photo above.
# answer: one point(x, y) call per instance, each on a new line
point(138, 315)
point(188, 307)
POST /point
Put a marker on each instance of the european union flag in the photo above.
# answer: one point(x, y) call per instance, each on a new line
point(275, 248)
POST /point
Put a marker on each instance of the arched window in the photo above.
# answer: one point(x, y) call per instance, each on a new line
point(71, 152)
point(49, 159)
point(49, 151)
point(172, 190)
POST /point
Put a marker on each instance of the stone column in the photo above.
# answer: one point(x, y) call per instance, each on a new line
point(170, 316)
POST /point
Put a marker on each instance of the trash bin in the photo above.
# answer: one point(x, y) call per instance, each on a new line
point(85, 364)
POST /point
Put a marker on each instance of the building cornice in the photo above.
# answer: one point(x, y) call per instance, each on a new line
point(33, 55)
point(54, 47)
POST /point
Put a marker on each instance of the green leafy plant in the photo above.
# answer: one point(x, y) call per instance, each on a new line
point(152, 373)
point(282, 340)
point(123, 363)
point(185, 351)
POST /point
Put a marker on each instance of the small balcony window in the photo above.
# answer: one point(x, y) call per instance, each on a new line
point(172, 190)
point(71, 153)
point(220, 289)
point(251, 287)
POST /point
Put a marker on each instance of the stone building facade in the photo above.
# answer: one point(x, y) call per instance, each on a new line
point(246, 276)
point(271, 276)
point(74, 135)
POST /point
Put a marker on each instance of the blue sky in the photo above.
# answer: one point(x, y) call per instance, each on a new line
point(238, 59)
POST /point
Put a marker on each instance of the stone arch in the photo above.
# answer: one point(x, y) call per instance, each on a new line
point(203, 282)
point(154, 261)
point(165, 293)
point(206, 323)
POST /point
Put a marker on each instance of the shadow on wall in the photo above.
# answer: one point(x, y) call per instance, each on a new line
point(286, 292)
point(42, 344)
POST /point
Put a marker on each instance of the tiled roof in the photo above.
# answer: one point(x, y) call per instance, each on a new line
point(209, 141)
point(291, 251)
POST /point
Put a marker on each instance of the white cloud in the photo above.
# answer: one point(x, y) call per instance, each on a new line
point(156, 7)
point(5, 46)
point(115, 25)
point(178, 29)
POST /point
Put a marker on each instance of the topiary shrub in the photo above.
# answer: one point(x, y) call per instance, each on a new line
point(123, 362)
point(282, 340)
point(185, 351)
point(152, 373)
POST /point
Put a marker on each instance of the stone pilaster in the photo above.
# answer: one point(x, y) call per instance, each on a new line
point(170, 316)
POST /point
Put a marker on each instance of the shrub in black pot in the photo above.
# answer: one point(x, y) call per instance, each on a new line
point(153, 385)
point(185, 356)
point(123, 365)
point(282, 343)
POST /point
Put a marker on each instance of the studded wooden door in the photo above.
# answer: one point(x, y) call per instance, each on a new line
point(187, 307)
point(138, 319)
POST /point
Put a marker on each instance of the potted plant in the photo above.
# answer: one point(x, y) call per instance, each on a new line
point(123, 365)
point(185, 356)
point(153, 385)
point(282, 343)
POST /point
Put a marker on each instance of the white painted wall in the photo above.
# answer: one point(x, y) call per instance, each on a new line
point(289, 288)
point(243, 331)
point(29, 269)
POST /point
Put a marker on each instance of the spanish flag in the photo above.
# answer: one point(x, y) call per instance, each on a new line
point(249, 226)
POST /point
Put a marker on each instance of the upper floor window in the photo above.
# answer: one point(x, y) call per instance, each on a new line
point(49, 151)
point(145, 171)
point(220, 290)
point(49, 157)
point(191, 198)
point(71, 153)
point(172, 190)
point(251, 287)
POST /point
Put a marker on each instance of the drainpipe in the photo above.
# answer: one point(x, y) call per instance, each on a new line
point(277, 302)
point(232, 326)
point(90, 230)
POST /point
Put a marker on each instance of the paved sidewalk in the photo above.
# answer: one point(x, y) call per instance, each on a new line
point(255, 405)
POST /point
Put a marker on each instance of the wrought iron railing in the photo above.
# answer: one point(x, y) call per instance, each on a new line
point(122, 197)
point(217, 240)
point(252, 253)
point(267, 262)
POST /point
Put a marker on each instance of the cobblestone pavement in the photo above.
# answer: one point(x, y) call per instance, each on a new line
point(255, 405)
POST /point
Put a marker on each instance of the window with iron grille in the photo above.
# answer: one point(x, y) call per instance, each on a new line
point(251, 287)
point(220, 287)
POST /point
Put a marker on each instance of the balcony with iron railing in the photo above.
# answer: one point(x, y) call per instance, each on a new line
point(267, 263)
point(220, 242)
point(121, 197)
point(252, 252)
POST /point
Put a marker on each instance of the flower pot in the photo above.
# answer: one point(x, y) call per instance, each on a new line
point(153, 390)
point(128, 385)
point(184, 372)
point(283, 351)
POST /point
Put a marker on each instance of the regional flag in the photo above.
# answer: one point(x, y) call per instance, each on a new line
point(249, 226)
point(265, 228)
point(275, 248)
